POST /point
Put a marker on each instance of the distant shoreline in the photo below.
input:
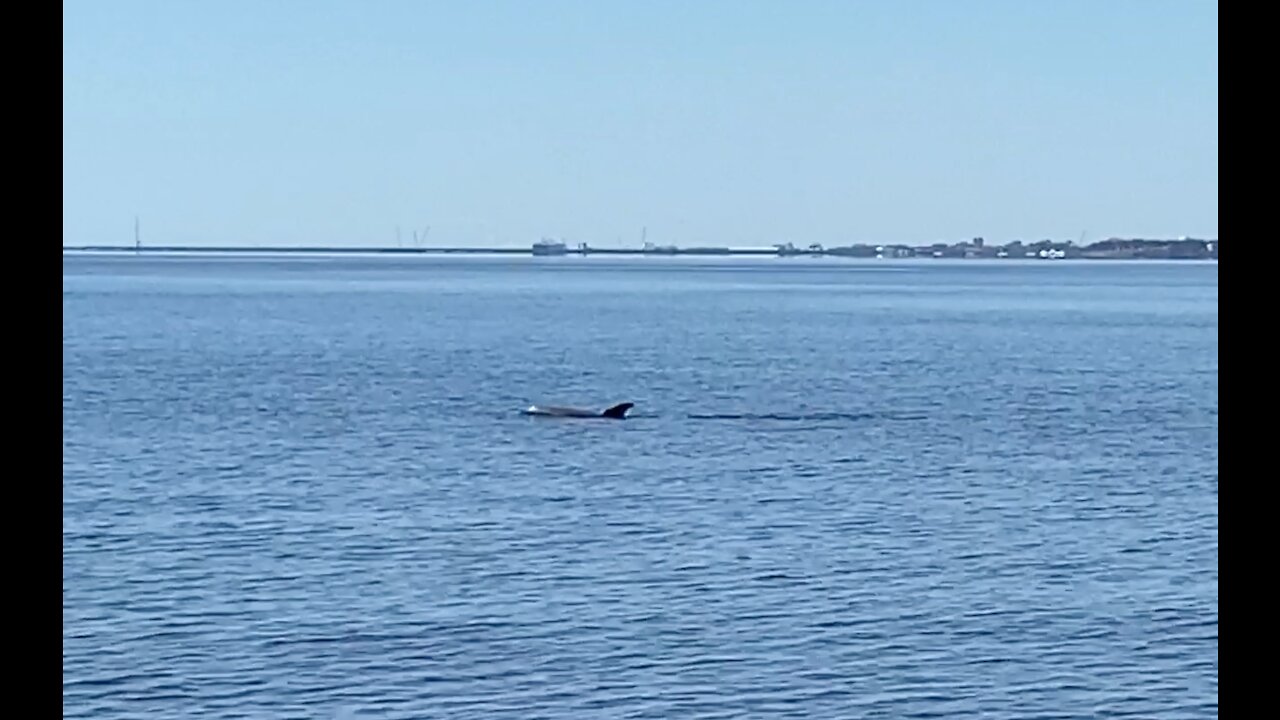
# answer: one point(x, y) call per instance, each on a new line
point(1035, 252)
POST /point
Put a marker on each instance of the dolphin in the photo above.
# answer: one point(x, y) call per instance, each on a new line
point(617, 412)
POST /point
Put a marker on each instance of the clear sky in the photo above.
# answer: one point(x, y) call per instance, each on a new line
point(727, 122)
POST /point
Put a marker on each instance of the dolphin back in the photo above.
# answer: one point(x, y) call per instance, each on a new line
point(617, 412)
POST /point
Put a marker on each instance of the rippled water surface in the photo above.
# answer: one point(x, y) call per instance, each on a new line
point(301, 488)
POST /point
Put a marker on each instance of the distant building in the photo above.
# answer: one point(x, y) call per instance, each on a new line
point(549, 247)
point(652, 249)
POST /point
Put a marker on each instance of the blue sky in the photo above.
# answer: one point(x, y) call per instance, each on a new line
point(730, 122)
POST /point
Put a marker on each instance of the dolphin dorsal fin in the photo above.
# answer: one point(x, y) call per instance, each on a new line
point(618, 411)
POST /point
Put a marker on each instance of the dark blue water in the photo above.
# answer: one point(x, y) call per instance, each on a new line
point(301, 488)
